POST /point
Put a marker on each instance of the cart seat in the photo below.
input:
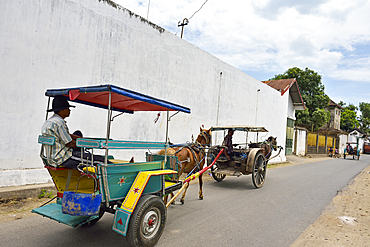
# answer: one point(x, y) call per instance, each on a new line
point(65, 179)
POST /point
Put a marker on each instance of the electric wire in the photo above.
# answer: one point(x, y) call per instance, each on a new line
point(198, 9)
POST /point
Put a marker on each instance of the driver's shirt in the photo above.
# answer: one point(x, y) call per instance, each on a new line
point(228, 142)
point(57, 127)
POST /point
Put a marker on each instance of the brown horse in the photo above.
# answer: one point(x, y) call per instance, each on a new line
point(267, 147)
point(191, 158)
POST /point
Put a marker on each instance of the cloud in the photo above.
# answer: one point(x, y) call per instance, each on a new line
point(331, 37)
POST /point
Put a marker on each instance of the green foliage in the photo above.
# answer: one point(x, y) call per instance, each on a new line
point(348, 118)
point(365, 116)
point(44, 194)
point(320, 117)
point(312, 91)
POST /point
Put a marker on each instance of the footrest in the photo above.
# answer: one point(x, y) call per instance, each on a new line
point(172, 186)
point(54, 212)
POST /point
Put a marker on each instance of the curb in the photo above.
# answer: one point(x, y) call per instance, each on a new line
point(26, 191)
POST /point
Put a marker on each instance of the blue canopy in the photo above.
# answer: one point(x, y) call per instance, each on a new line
point(122, 100)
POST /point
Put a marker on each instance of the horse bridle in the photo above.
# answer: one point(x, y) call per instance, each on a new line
point(206, 137)
point(270, 144)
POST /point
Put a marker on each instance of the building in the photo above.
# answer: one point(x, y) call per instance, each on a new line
point(295, 102)
point(335, 113)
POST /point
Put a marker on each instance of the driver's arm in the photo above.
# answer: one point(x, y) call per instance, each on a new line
point(71, 144)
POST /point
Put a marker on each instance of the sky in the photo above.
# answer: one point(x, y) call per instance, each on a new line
point(264, 38)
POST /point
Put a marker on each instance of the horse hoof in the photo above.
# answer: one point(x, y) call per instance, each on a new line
point(200, 198)
point(182, 202)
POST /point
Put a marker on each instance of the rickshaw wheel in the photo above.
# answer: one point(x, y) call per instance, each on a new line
point(147, 222)
point(217, 176)
point(101, 213)
point(259, 170)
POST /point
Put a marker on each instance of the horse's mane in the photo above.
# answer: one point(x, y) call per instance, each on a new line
point(170, 151)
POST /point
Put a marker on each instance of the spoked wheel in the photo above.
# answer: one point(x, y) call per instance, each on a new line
point(217, 176)
point(259, 170)
point(147, 222)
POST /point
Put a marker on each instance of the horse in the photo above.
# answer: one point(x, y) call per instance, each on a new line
point(267, 147)
point(191, 158)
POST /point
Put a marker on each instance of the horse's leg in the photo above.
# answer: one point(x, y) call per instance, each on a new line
point(184, 193)
point(165, 199)
point(200, 186)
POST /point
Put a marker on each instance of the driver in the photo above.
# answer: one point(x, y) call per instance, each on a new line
point(65, 152)
point(228, 142)
point(349, 148)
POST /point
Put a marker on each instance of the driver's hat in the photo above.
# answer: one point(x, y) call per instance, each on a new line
point(60, 103)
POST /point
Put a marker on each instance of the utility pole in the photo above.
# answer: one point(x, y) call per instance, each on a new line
point(184, 23)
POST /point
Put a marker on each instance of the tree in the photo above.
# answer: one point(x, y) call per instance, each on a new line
point(312, 91)
point(365, 116)
point(348, 118)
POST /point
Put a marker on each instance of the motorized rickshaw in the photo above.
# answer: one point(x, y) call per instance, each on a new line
point(133, 192)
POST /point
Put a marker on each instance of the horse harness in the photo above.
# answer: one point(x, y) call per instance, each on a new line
point(196, 148)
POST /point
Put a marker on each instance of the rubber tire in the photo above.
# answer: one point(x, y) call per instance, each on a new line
point(216, 176)
point(146, 205)
point(259, 157)
point(93, 222)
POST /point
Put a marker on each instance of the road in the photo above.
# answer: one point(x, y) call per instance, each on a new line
point(232, 213)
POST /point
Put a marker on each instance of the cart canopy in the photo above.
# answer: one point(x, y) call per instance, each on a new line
point(122, 100)
point(240, 128)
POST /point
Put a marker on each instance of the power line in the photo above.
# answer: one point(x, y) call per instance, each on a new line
point(186, 20)
point(147, 14)
point(198, 9)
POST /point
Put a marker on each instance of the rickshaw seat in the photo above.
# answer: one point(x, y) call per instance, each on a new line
point(65, 179)
point(49, 141)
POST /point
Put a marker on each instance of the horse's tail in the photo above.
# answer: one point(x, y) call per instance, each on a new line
point(170, 151)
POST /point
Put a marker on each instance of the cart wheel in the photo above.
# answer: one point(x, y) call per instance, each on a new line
point(101, 213)
point(217, 176)
point(259, 170)
point(147, 222)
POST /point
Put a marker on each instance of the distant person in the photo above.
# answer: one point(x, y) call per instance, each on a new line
point(65, 152)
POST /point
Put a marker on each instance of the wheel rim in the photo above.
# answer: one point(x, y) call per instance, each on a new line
point(217, 176)
point(259, 171)
point(151, 223)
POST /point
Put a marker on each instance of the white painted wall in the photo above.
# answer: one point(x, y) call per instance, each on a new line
point(291, 109)
point(64, 43)
point(342, 143)
point(300, 136)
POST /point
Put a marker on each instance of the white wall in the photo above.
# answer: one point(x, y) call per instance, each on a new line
point(342, 143)
point(291, 109)
point(64, 43)
point(300, 147)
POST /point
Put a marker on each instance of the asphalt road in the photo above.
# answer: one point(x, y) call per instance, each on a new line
point(232, 213)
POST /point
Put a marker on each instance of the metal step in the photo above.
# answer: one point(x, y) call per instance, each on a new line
point(229, 171)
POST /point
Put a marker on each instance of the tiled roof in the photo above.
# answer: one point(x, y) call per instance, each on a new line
point(284, 85)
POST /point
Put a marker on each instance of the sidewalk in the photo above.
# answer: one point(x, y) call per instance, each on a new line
point(27, 191)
